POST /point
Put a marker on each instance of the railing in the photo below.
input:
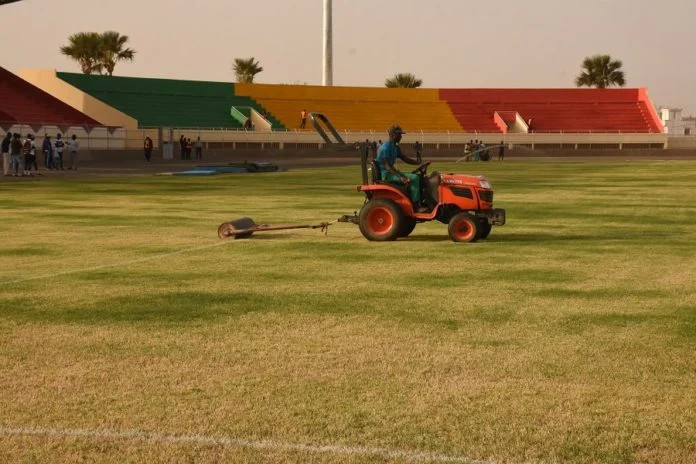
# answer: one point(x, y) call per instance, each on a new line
point(103, 138)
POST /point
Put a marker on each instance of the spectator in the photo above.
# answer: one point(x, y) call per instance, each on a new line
point(6, 142)
point(47, 148)
point(31, 162)
point(366, 148)
point(501, 151)
point(247, 124)
point(467, 150)
point(477, 150)
point(26, 152)
point(189, 148)
point(199, 148)
point(529, 126)
point(182, 143)
point(16, 154)
point(58, 155)
point(418, 148)
point(148, 148)
point(374, 149)
point(73, 148)
point(303, 118)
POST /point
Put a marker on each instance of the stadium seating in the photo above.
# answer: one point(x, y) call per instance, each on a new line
point(23, 103)
point(555, 110)
point(356, 108)
point(166, 102)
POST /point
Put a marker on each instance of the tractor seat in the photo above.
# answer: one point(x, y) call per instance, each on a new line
point(377, 179)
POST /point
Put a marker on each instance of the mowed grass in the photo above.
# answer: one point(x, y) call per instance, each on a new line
point(568, 336)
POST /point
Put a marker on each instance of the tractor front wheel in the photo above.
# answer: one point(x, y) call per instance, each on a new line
point(463, 227)
point(381, 220)
point(484, 229)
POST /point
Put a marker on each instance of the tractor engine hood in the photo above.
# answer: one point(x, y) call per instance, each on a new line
point(471, 181)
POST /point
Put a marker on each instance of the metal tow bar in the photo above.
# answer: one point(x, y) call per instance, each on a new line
point(245, 227)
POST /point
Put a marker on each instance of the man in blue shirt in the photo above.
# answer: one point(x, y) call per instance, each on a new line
point(386, 157)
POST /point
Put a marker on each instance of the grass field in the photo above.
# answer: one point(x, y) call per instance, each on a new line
point(568, 336)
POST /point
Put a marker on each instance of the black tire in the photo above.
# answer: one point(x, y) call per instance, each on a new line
point(463, 227)
point(408, 226)
point(484, 229)
point(381, 220)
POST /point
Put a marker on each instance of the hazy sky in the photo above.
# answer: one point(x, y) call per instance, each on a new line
point(447, 43)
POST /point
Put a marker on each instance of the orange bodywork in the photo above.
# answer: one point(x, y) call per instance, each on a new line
point(467, 193)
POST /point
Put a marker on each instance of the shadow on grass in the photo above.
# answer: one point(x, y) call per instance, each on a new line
point(178, 307)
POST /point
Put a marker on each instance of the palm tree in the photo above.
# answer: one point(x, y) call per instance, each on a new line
point(601, 72)
point(246, 69)
point(85, 48)
point(406, 80)
point(112, 50)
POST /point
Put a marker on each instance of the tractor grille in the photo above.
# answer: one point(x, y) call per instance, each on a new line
point(486, 195)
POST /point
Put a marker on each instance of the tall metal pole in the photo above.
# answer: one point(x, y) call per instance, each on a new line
point(328, 45)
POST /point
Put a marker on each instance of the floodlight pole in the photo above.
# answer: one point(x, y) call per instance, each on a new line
point(328, 45)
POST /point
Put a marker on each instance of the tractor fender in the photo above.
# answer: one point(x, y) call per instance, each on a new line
point(390, 192)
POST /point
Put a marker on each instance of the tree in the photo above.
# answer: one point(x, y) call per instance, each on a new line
point(113, 51)
point(601, 72)
point(406, 80)
point(98, 53)
point(246, 69)
point(84, 47)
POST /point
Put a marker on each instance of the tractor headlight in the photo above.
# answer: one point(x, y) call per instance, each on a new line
point(485, 184)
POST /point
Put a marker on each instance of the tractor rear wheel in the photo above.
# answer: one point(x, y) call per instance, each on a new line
point(381, 220)
point(484, 229)
point(463, 227)
point(409, 225)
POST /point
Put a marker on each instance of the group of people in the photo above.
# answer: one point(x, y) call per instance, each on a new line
point(19, 156)
point(187, 148)
point(476, 150)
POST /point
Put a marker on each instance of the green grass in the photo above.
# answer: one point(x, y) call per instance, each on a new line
point(568, 336)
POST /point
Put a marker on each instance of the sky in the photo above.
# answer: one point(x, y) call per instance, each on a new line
point(446, 43)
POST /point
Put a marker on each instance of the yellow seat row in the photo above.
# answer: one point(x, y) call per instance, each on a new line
point(355, 108)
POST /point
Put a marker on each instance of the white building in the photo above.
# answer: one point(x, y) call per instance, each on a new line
point(674, 124)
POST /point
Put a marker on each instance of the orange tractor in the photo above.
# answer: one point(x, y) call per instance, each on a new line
point(465, 203)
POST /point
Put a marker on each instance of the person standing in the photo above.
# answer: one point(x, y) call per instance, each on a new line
point(58, 155)
point(16, 154)
point(189, 148)
point(418, 148)
point(199, 148)
point(303, 118)
point(26, 152)
point(182, 144)
point(47, 149)
point(501, 151)
point(73, 148)
point(467, 150)
point(148, 148)
point(6, 142)
point(32, 155)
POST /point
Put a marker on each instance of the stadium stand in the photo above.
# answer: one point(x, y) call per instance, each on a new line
point(24, 103)
point(355, 108)
point(166, 102)
point(556, 110)
point(142, 103)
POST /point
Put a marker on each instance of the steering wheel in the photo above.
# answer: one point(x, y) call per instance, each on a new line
point(423, 168)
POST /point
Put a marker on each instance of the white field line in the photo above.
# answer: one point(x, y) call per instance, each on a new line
point(131, 435)
point(119, 264)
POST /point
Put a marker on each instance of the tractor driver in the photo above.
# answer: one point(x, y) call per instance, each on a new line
point(388, 153)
